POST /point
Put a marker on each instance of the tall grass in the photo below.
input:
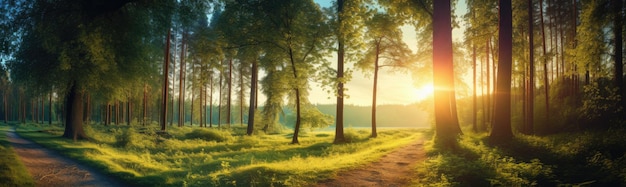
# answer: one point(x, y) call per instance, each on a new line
point(193, 156)
point(12, 171)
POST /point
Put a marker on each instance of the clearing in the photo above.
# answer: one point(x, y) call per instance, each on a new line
point(393, 169)
point(51, 169)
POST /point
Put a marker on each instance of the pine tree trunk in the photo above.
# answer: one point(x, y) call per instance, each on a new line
point(529, 125)
point(251, 109)
point(474, 96)
point(230, 88)
point(502, 124)
point(618, 49)
point(443, 76)
point(181, 85)
point(164, 94)
point(545, 66)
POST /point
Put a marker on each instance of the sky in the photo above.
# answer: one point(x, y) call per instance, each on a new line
point(393, 87)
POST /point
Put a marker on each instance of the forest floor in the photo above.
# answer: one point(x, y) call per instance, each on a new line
point(48, 168)
point(394, 169)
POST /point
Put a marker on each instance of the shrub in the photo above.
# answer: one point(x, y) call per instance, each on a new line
point(209, 135)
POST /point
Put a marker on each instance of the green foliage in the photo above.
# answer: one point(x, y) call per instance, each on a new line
point(209, 135)
point(601, 102)
point(12, 171)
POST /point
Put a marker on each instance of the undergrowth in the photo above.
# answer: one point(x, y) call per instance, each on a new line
point(193, 156)
point(567, 159)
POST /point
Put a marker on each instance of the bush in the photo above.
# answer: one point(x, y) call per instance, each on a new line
point(209, 135)
point(355, 136)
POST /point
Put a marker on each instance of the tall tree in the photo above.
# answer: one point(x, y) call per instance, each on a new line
point(618, 26)
point(530, 96)
point(164, 89)
point(501, 130)
point(446, 128)
point(385, 43)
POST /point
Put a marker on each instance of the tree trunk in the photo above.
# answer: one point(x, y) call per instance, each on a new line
point(251, 109)
point(219, 107)
point(374, 89)
point(164, 93)
point(145, 105)
point(530, 100)
point(339, 137)
point(181, 85)
point(443, 75)
point(296, 130)
point(210, 99)
point(230, 89)
point(474, 98)
point(619, 65)
point(545, 65)
point(74, 122)
point(502, 124)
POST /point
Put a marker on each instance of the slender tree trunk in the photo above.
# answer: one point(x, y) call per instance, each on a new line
point(241, 86)
point(502, 124)
point(145, 105)
point(443, 75)
point(165, 82)
point(128, 111)
point(251, 109)
point(529, 125)
point(74, 122)
point(219, 111)
point(230, 88)
point(339, 136)
point(181, 85)
point(374, 89)
point(545, 65)
point(296, 130)
point(618, 49)
point(210, 99)
point(474, 98)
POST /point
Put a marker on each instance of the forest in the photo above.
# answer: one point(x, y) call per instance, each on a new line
point(227, 92)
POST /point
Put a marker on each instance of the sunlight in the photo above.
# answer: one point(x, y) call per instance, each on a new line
point(424, 92)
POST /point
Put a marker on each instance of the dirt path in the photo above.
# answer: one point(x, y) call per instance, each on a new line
point(48, 168)
point(393, 169)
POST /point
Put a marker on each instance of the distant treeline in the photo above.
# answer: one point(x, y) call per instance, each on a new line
point(360, 116)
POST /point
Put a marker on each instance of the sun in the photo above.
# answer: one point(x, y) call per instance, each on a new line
point(423, 92)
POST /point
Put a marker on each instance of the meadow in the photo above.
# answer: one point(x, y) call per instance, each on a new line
point(194, 156)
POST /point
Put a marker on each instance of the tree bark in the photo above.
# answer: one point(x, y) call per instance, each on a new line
point(74, 122)
point(181, 85)
point(530, 100)
point(251, 109)
point(296, 130)
point(374, 89)
point(164, 93)
point(545, 65)
point(443, 75)
point(230, 88)
point(339, 136)
point(618, 49)
point(502, 124)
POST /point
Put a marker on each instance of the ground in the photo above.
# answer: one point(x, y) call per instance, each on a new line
point(394, 169)
point(49, 169)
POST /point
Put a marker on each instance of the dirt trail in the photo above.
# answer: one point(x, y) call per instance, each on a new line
point(393, 169)
point(48, 168)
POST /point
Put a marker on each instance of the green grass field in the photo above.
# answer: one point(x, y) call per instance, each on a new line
point(12, 171)
point(193, 156)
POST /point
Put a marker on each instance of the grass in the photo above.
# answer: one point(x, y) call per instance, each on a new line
point(12, 171)
point(191, 156)
point(593, 158)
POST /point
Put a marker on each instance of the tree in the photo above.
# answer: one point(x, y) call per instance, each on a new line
point(502, 125)
point(95, 46)
point(446, 128)
point(385, 40)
